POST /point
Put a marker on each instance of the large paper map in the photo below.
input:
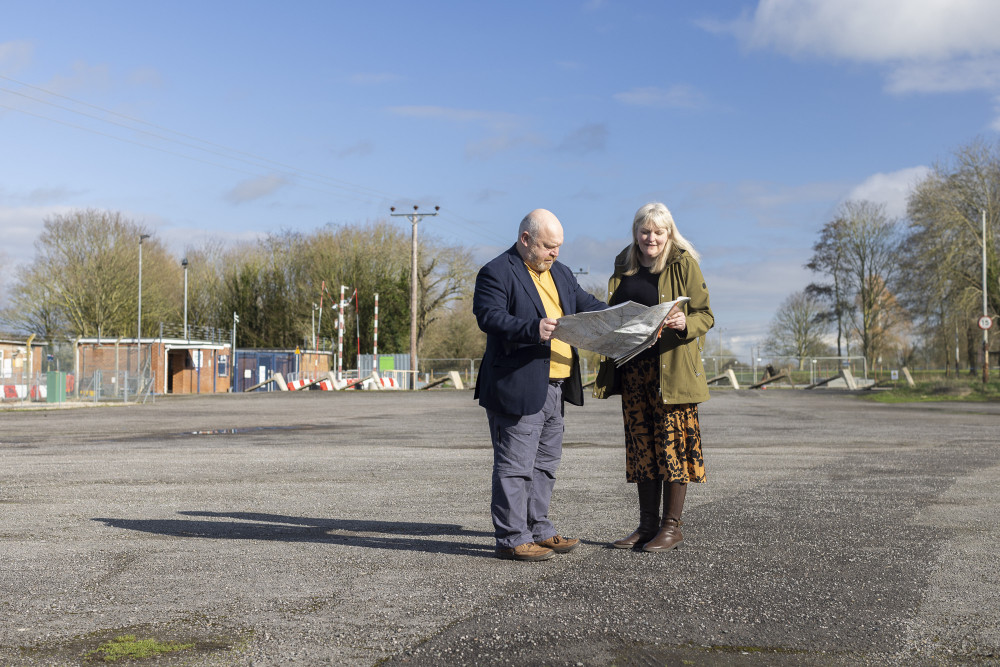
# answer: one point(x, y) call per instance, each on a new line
point(620, 332)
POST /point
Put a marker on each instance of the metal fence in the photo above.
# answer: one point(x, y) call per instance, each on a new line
point(22, 386)
point(114, 372)
point(102, 386)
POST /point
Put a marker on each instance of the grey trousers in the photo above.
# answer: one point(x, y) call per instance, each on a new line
point(526, 454)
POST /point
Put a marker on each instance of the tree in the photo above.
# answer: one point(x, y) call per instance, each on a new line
point(445, 275)
point(798, 328)
point(942, 261)
point(870, 242)
point(84, 282)
point(206, 276)
point(274, 284)
point(32, 308)
point(828, 259)
point(454, 333)
point(84, 279)
point(858, 252)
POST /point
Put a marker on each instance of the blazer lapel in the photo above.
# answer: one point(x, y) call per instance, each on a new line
point(521, 273)
point(562, 287)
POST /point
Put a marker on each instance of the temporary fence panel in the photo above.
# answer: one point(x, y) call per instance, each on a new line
point(257, 366)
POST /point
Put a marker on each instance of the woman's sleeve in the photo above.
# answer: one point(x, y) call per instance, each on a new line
point(699, 312)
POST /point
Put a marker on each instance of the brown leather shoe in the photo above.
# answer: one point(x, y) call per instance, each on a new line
point(668, 538)
point(528, 551)
point(559, 544)
point(638, 536)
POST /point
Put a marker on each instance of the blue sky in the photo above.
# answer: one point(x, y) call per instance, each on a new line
point(752, 121)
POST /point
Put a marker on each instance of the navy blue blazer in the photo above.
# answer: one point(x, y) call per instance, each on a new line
point(514, 374)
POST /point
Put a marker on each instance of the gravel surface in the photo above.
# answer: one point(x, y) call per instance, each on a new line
point(353, 528)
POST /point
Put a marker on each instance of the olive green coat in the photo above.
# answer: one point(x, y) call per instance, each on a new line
point(682, 376)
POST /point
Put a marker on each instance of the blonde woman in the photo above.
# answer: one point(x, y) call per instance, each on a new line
point(662, 387)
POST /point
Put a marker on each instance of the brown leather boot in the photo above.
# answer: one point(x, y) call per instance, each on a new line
point(649, 515)
point(670, 535)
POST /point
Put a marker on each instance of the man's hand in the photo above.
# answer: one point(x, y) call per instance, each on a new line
point(545, 328)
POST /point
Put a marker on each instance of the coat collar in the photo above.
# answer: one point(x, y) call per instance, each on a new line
point(520, 270)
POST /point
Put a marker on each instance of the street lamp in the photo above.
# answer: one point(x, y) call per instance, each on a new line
point(184, 263)
point(138, 337)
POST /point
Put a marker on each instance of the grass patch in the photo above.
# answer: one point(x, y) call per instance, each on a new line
point(128, 647)
point(941, 389)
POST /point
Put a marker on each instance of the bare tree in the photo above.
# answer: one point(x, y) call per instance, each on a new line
point(454, 333)
point(828, 260)
point(84, 278)
point(870, 264)
point(798, 328)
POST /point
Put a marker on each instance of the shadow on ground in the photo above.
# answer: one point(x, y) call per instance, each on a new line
point(395, 535)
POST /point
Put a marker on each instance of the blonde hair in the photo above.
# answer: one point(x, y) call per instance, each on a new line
point(657, 216)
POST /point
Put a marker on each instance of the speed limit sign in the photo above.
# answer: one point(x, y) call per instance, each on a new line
point(985, 322)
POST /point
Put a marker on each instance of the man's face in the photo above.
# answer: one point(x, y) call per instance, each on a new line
point(542, 250)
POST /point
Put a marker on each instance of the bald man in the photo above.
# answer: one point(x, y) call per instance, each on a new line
point(523, 380)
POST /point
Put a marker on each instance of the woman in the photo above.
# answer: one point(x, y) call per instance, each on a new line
point(662, 387)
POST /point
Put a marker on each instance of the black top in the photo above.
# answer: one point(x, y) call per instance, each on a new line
point(642, 287)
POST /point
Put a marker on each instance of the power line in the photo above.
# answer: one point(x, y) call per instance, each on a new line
point(342, 188)
point(215, 148)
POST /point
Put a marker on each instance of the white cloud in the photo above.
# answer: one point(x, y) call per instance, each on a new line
point(499, 143)
point(945, 77)
point(81, 77)
point(359, 148)
point(876, 30)
point(494, 119)
point(504, 129)
point(145, 76)
point(591, 138)
point(489, 194)
point(21, 226)
point(14, 56)
point(928, 45)
point(892, 189)
point(255, 188)
point(373, 78)
point(679, 96)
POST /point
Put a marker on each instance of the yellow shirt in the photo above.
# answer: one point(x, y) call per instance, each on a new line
point(561, 354)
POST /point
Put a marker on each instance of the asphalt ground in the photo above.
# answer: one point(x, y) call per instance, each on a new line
point(353, 528)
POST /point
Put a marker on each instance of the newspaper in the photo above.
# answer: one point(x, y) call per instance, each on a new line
point(620, 332)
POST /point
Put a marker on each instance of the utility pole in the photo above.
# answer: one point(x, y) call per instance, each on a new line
point(232, 353)
point(138, 339)
point(184, 263)
point(414, 219)
point(985, 322)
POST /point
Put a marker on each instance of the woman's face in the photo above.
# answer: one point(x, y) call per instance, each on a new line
point(651, 242)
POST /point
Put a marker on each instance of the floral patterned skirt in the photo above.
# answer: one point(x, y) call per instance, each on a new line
point(661, 441)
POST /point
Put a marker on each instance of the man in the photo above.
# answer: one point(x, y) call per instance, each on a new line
point(524, 378)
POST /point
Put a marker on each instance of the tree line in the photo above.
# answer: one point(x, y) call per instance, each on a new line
point(903, 291)
point(84, 282)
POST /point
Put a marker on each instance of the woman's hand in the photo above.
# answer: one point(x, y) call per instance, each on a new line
point(676, 321)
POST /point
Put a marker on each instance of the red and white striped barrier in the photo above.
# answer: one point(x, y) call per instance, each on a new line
point(15, 391)
point(295, 385)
